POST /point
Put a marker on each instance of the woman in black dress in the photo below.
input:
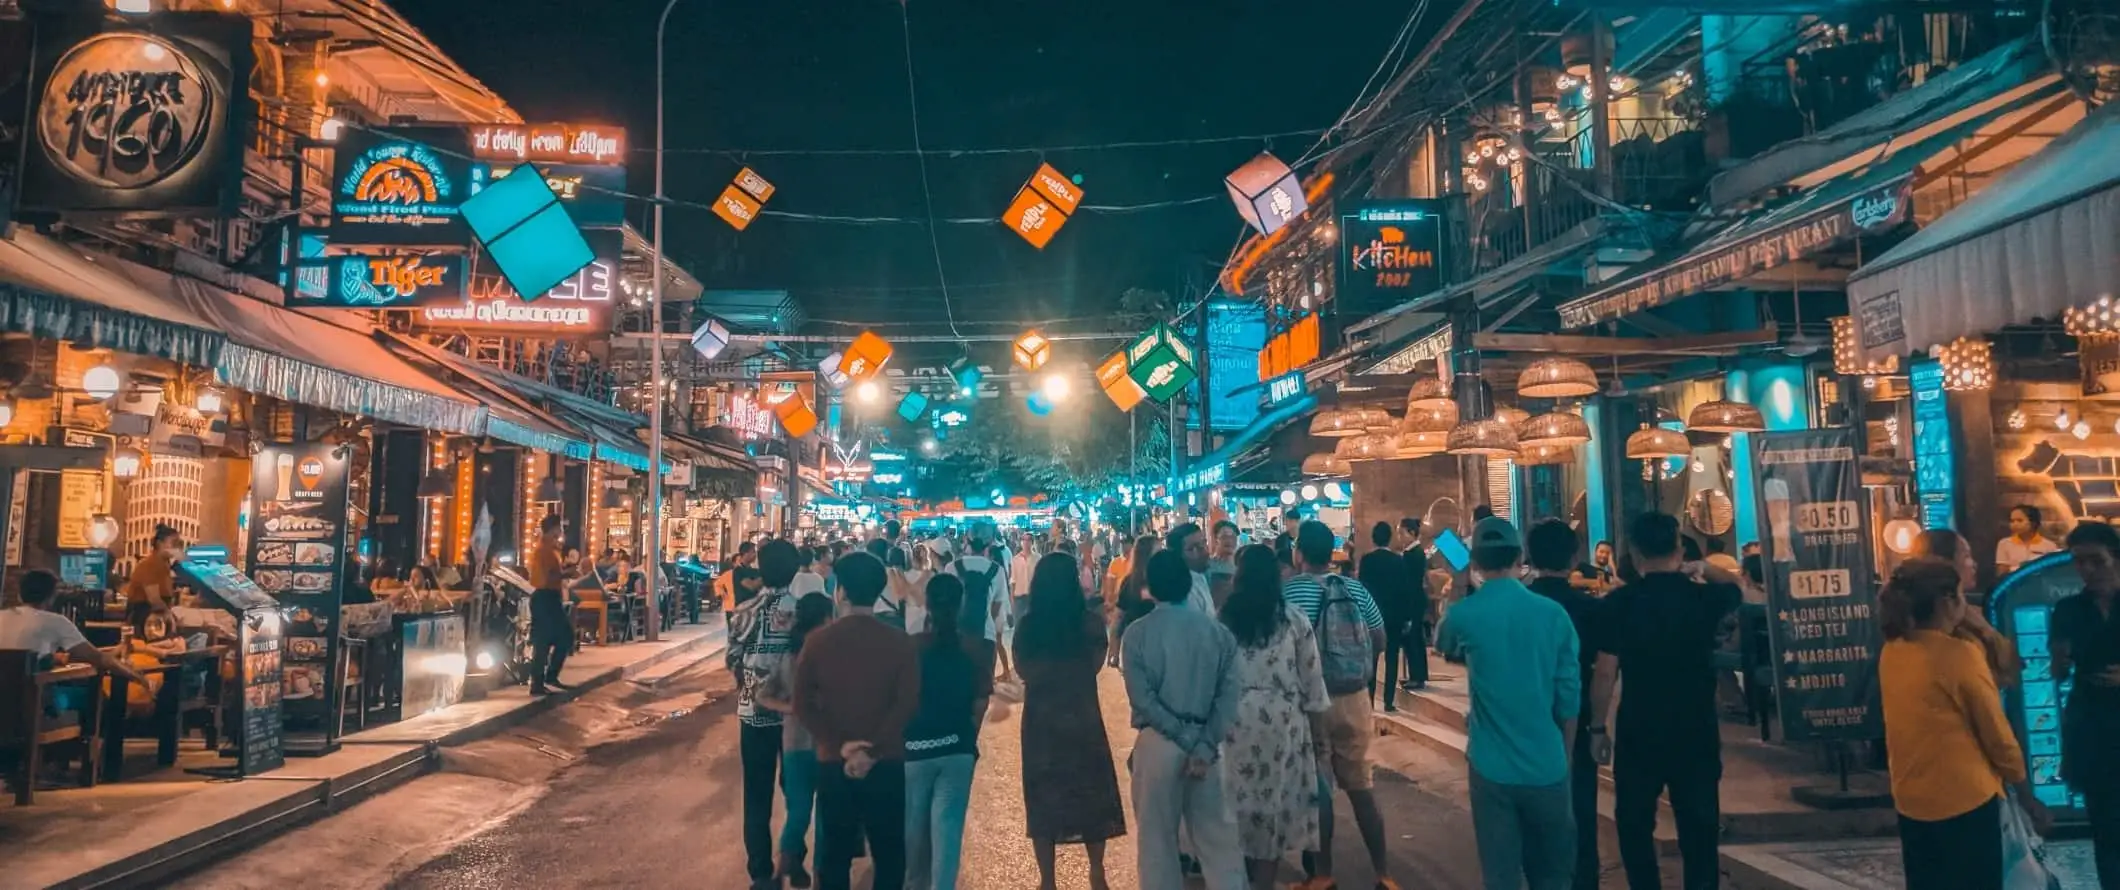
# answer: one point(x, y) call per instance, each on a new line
point(1070, 789)
point(2085, 644)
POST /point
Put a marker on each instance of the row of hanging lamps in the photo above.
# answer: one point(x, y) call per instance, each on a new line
point(1556, 378)
point(1426, 430)
point(1652, 442)
point(1724, 416)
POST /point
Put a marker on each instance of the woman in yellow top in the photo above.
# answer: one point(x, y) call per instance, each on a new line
point(1949, 546)
point(1952, 750)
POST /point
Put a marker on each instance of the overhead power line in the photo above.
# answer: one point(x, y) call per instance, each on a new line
point(963, 152)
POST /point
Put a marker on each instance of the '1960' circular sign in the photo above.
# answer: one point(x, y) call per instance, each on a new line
point(124, 111)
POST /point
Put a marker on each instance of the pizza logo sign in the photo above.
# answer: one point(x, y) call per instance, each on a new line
point(124, 111)
point(398, 183)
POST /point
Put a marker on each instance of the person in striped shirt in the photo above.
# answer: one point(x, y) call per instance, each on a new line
point(1348, 721)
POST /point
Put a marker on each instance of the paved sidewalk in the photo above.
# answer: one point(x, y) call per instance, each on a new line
point(155, 823)
point(1867, 865)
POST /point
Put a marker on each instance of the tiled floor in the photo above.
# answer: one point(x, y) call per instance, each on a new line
point(1875, 865)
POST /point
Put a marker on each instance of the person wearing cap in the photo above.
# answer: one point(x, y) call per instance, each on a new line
point(1520, 652)
point(1349, 723)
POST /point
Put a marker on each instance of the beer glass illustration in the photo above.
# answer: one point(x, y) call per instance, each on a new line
point(1777, 497)
point(284, 465)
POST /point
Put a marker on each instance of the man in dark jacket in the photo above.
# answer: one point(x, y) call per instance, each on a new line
point(1416, 554)
point(1383, 571)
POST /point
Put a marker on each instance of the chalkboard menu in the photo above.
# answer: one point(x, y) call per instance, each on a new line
point(298, 555)
point(260, 744)
point(1816, 543)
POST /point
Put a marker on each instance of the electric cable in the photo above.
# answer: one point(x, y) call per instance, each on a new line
point(927, 191)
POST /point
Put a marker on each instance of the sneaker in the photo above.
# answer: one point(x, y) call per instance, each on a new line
point(1387, 884)
point(1391, 709)
point(540, 690)
point(798, 878)
point(556, 684)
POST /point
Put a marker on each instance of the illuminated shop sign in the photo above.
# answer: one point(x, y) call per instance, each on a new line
point(1281, 390)
point(549, 143)
point(581, 304)
point(1391, 252)
point(590, 193)
point(399, 187)
point(385, 282)
point(139, 123)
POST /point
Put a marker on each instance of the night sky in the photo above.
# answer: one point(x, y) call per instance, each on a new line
point(803, 74)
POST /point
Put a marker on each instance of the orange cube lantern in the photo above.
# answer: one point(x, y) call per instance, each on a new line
point(864, 358)
point(796, 416)
point(1112, 376)
point(1033, 350)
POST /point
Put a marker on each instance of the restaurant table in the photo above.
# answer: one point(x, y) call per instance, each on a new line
point(168, 721)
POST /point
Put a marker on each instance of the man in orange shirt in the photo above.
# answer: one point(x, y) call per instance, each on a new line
point(551, 633)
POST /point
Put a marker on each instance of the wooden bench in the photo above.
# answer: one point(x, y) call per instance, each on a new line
point(27, 727)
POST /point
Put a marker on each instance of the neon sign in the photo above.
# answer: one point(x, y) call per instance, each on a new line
point(398, 189)
point(555, 143)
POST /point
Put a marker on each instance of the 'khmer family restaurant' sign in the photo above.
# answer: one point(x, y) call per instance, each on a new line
point(1743, 257)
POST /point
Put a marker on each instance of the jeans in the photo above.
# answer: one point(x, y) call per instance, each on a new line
point(1693, 777)
point(1164, 800)
point(1582, 786)
point(2102, 807)
point(1397, 646)
point(760, 747)
point(1525, 833)
point(1963, 852)
point(551, 637)
point(937, 794)
point(848, 808)
point(798, 786)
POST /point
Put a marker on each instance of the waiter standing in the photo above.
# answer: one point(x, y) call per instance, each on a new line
point(551, 633)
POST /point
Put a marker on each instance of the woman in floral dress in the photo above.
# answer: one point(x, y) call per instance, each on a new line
point(1270, 762)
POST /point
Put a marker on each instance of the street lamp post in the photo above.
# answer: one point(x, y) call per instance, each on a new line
point(655, 365)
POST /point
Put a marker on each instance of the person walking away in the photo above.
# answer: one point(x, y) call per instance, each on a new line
point(551, 631)
point(811, 579)
point(1270, 770)
point(798, 756)
point(909, 588)
point(1350, 630)
point(985, 593)
point(1952, 750)
point(942, 741)
point(1659, 638)
point(761, 634)
point(1551, 546)
point(1181, 680)
point(1070, 788)
point(1130, 600)
point(857, 685)
point(2085, 645)
point(1383, 571)
point(1424, 619)
point(1524, 667)
point(1188, 541)
point(1222, 561)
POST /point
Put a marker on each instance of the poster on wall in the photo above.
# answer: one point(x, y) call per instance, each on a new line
point(1815, 540)
point(298, 554)
point(138, 123)
point(400, 187)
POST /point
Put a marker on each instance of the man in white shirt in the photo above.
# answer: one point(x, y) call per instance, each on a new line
point(1189, 541)
point(32, 626)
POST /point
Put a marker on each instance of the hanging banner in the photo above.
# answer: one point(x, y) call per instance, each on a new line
point(298, 554)
point(1816, 544)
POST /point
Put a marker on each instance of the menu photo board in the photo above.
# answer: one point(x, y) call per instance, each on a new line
point(298, 554)
point(260, 727)
point(1815, 542)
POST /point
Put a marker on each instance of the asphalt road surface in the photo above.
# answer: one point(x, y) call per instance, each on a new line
point(664, 809)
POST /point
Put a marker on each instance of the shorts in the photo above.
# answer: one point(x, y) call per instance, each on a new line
point(1350, 726)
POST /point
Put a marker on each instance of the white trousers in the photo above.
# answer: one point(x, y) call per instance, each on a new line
point(1164, 801)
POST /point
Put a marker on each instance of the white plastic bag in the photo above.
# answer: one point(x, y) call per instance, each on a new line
point(2023, 853)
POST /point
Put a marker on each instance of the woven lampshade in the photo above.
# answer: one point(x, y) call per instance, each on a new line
point(1380, 421)
point(1429, 392)
point(1651, 442)
point(1426, 430)
point(1514, 417)
point(1556, 378)
point(1492, 437)
point(1334, 423)
point(1720, 416)
point(1542, 454)
point(1413, 445)
point(1369, 446)
point(1320, 464)
point(1559, 429)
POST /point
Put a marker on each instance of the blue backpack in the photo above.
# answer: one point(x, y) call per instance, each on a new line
point(978, 593)
point(1344, 653)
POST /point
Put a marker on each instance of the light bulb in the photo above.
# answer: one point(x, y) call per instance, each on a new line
point(102, 381)
point(7, 412)
point(2081, 430)
point(209, 401)
point(1310, 491)
point(329, 130)
point(1055, 387)
point(2061, 420)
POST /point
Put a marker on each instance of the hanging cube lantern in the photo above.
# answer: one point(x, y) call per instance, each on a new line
point(912, 406)
point(1042, 206)
point(1113, 379)
point(710, 339)
point(796, 416)
point(1267, 193)
point(829, 368)
point(1161, 363)
point(865, 357)
point(1968, 364)
point(1032, 350)
point(2097, 333)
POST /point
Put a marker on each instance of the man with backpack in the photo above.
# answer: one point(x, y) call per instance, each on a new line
point(1521, 653)
point(985, 591)
point(1350, 632)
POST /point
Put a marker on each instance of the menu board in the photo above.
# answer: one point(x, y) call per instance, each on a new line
point(259, 744)
point(1816, 547)
point(80, 497)
point(2022, 607)
point(298, 554)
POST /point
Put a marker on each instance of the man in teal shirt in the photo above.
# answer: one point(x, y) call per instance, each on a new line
point(1520, 652)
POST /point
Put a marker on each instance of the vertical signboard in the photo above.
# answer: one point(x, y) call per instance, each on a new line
point(1935, 479)
point(1236, 331)
point(1816, 545)
point(298, 554)
point(259, 635)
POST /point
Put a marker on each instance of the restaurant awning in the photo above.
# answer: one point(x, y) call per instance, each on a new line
point(509, 417)
point(1213, 469)
point(1995, 80)
point(53, 291)
point(2035, 242)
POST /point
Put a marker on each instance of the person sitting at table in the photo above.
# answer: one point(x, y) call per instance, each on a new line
point(152, 587)
point(384, 580)
point(32, 626)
